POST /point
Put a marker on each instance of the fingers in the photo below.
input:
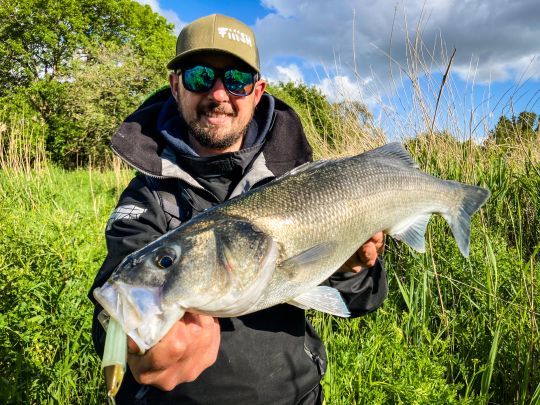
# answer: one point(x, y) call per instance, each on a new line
point(369, 251)
point(182, 355)
point(366, 255)
point(161, 356)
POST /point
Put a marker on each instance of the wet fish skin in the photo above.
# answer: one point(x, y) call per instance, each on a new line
point(277, 243)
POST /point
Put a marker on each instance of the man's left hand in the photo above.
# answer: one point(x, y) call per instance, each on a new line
point(366, 256)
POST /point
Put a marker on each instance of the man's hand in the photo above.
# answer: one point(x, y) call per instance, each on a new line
point(366, 256)
point(182, 355)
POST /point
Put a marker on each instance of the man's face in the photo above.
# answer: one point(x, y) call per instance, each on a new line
point(217, 119)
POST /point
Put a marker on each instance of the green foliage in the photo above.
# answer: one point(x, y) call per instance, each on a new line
point(22, 136)
point(524, 127)
point(308, 101)
point(40, 39)
point(82, 67)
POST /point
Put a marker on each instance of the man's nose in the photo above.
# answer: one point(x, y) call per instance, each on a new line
point(218, 92)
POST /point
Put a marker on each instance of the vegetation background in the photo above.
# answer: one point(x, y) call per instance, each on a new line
point(451, 331)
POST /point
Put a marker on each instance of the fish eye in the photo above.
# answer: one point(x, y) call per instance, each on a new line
point(165, 259)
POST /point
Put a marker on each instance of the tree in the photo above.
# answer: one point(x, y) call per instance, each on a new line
point(502, 134)
point(525, 123)
point(332, 128)
point(509, 131)
point(40, 39)
point(82, 65)
point(309, 102)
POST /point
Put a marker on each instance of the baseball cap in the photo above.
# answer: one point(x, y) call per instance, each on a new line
point(216, 33)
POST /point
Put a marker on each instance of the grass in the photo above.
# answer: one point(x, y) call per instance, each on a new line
point(52, 243)
point(451, 331)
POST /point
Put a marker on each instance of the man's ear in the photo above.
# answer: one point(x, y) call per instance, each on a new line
point(258, 92)
point(174, 81)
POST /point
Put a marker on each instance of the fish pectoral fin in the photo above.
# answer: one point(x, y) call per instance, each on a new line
point(324, 299)
point(307, 257)
point(412, 232)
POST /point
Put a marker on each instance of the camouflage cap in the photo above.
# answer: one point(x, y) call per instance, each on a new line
point(216, 33)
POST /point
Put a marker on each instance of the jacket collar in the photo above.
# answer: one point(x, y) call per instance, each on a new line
point(152, 138)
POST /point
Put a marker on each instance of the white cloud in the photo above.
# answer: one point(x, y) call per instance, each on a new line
point(170, 15)
point(341, 88)
point(285, 74)
point(526, 67)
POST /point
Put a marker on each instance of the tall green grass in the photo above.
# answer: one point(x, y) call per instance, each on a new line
point(52, 244)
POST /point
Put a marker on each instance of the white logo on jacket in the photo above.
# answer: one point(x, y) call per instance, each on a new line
point(128, 211)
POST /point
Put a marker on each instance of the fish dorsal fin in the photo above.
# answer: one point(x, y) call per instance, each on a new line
point(324, 299)
point(395, 151)
point(412, 231)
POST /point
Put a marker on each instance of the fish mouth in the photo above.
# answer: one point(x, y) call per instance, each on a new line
point(138, 310)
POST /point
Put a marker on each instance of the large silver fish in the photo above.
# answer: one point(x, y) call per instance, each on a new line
point(277, 243)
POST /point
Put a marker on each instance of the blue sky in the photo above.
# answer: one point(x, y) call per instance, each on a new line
point(361, 50)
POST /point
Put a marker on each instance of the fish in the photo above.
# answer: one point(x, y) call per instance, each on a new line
point(277, 243)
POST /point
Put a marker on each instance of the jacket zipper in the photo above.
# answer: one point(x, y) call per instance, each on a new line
point(316, 359)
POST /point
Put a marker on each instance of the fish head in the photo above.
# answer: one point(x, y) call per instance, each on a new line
point(206, 266)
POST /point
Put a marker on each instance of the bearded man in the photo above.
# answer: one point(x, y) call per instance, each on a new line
point(214, 134)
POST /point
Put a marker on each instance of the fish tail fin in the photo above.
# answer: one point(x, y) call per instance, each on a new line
point(473, 197)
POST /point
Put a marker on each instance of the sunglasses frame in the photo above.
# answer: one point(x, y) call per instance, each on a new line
point(218, 73)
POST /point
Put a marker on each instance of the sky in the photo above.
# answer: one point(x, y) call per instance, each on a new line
point(368, 51)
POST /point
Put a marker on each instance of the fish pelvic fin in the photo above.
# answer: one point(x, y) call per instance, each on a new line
point(324, 299)
point(460, 220)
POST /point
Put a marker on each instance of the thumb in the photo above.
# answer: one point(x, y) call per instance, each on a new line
point(132, 347)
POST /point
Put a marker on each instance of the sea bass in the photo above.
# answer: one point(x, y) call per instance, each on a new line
point(277, 243)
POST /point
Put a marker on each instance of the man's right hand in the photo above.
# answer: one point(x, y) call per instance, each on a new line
point(181, 356)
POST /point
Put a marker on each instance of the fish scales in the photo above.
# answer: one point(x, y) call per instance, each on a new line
point(335, 203)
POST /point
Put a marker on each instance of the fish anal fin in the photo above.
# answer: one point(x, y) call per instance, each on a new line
point(412, 232)
point(324, 299)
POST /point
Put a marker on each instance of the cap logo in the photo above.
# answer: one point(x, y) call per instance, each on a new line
point(235, 35)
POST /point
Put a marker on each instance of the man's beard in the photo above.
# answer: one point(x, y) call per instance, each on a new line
point(207, 136)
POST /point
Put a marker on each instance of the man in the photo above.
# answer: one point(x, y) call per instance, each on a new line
point(213, 135)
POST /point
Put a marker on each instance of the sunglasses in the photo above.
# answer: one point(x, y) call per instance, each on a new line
point(200, 79)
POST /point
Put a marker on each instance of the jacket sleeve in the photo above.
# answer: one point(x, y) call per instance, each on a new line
point(363, 292)
point(137, 220)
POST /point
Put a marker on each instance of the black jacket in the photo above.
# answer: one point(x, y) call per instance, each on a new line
point(269, 357)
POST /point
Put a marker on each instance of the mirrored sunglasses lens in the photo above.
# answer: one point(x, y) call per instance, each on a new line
point(199, 78)
point(239, 83)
